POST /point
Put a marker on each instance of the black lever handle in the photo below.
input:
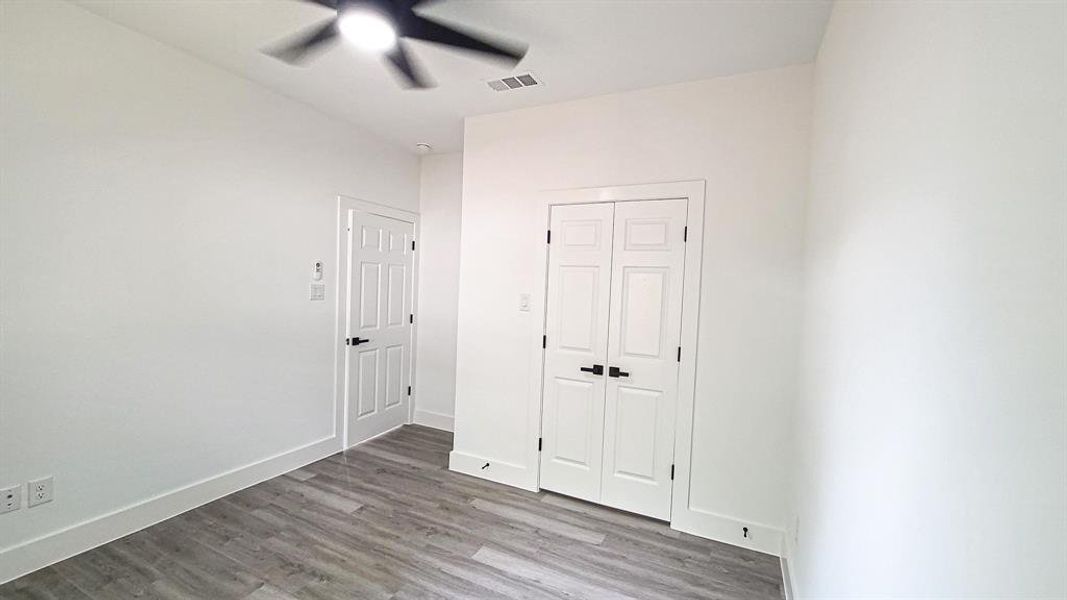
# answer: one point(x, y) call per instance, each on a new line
point(615, 372)
point(595, 369)
point(355, 341)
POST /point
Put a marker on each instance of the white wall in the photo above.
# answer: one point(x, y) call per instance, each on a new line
point(158, 222)
point(748, 137)
point(932, 437)
point(439, 226)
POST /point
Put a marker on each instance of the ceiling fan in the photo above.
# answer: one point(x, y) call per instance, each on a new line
point(380, 26)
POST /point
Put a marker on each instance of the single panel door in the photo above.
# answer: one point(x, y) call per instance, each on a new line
point(572, 418)
point(378, 334)
point(644, 333)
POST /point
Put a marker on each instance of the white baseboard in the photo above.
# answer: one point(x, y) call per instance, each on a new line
point(435, 420)
point(762, 538)
point(29, 556)
point(493, 470)
point(787, 580)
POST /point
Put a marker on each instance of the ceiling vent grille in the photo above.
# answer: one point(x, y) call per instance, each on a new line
point(514, 82)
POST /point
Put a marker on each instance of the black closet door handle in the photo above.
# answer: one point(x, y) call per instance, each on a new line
point(595, 369)
point(356, 341)
point(615, 372)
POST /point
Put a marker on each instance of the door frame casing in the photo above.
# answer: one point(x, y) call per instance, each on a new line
point(694, 194)
point(340, 404)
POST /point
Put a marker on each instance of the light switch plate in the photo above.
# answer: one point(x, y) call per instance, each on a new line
point(39, 491)
point(10, 499)
point(524, 302)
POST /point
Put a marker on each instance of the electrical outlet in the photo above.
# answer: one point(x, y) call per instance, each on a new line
point(10, 499)
point(40, 491)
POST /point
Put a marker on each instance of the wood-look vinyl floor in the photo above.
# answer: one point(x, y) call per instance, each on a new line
point(388, 520)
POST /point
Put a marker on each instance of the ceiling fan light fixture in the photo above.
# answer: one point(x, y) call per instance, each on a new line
point(376, 26)
point(368, 29)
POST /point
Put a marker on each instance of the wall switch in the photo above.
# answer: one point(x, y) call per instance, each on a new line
point(10, 499)
point(524, 302)
point(317, 292)
point(40, 491)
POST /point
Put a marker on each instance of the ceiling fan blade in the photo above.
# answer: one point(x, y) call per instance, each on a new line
point(411, 75)
point(327, 3)
point(301, 45)
point(426, 29)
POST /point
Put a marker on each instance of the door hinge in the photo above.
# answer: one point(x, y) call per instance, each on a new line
point(539, 443)
point(412, 245)
point(544, 341)
point(549, 238)
point(672, 472)
point(685, 233)
point(409, 390)
point(679, 354)
point(411, 318)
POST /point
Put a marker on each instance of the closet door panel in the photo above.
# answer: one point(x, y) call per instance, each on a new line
point(643, 337)
point(572, 417)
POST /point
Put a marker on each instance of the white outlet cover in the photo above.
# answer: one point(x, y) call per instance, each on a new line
point(39, 491)
point(10, 499)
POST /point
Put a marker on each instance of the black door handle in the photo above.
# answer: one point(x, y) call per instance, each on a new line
point(595, 369)
point(355, 341)
point(615, 372)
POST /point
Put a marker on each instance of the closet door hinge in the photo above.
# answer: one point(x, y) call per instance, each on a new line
point(409, 390)
point(672, 472)
point(679, 354)
point(685, 233)
point(539, 443)
point(544, 341)
point(412, 245)
point(548, 239)
point(411, 318)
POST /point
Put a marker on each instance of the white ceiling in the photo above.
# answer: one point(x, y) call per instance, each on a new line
point(579, 48)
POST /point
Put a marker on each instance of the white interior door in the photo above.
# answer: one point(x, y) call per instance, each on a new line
point(576, 346)
point(613, 329)
point(644, 335)
point(378, 355)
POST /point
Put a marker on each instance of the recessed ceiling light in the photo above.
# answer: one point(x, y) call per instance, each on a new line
point(368, 29)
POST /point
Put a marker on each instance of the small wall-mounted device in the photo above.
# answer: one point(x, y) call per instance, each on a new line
point(40, 491)
point(316, 273)
point(10, 498)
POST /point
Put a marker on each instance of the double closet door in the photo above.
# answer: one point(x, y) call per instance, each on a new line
point(613, 325)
